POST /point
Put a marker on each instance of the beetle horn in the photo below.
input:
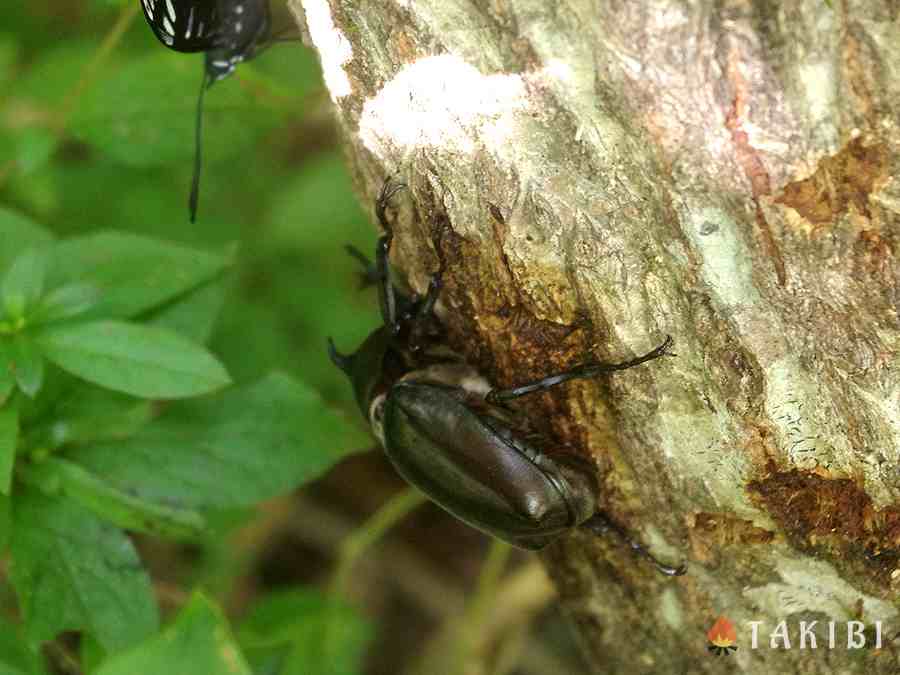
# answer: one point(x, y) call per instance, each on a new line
point(342, 361)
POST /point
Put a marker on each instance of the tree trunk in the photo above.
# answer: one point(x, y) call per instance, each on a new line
point(615, 171)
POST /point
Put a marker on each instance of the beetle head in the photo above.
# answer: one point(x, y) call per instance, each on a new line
point(367, 367)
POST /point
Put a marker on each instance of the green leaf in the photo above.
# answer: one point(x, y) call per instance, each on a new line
point(15, 657)
point(139, 360)
point(249, 444)
point(34, 146)
point(5, 522)
point(9, 438)
point(27, 364)
point(195, 315)
point(59, 476)
point(83, 413)
point(91, 652)
point(65, 302)
point(23, 283)
point(7, 377)
point(72, 571)
point(323, 635)
point(132, 274)
point(18, 233)
point(199, 642)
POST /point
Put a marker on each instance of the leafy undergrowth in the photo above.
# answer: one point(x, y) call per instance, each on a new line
point(114, 417)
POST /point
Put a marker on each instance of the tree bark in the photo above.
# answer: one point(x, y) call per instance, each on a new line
point(615, 171)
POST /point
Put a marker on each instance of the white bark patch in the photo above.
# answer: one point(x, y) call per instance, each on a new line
point(334, 49)
point(727, 261)
point(881, 474)
point(670, 611)
point(721, 463)
point(442, 102)
point(819, 84)
point(813, 586)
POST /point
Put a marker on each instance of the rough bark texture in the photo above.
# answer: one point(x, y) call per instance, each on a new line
point(614, 171)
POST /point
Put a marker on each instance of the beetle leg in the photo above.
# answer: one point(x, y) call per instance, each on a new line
point(387, 299)
point(601, 525)
point(426, 309)
point(584, 371)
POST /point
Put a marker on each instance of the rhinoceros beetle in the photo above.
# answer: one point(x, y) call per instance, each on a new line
point(447, 432)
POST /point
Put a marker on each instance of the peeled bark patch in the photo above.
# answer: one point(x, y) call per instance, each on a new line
point(836, 517)
point(841, 183)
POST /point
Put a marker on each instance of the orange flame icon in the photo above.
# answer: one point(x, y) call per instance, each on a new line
point(722, 637)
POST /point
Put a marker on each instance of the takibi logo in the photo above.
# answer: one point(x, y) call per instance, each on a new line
point(722, 637)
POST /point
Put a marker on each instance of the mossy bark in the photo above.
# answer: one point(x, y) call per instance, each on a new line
point(612, 172)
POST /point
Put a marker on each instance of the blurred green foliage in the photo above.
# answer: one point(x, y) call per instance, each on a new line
point(96, 146)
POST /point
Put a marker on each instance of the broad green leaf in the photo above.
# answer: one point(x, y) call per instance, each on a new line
point(15, 656)
point(7, 376)
point(132, 274)
point(288, 318)
point(7, 384)
point(18, 233)
point(9, 438)
point(60, 476)
point(5, 522)
point(139, 360)
point(199, 642)
point(65, 302)
point(194, 315)
point(91, 652)
point(88, 413)
point(57, 387)
point(34, 146)
point(27, 364)
point(72, 571)
point(322, 634)
point(249, 444)
point(23, 283)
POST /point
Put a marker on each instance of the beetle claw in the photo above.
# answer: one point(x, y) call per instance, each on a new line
point(601, 525)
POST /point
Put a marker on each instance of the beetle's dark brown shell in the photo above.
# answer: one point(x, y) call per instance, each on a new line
point(461, 462)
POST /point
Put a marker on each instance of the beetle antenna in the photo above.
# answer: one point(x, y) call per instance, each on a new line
point(388, 190)
point(198, 133)
point(601, 525)
point(342, 361)
point(584, 371)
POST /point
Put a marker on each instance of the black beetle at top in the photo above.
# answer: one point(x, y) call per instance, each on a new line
point(447, 432)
